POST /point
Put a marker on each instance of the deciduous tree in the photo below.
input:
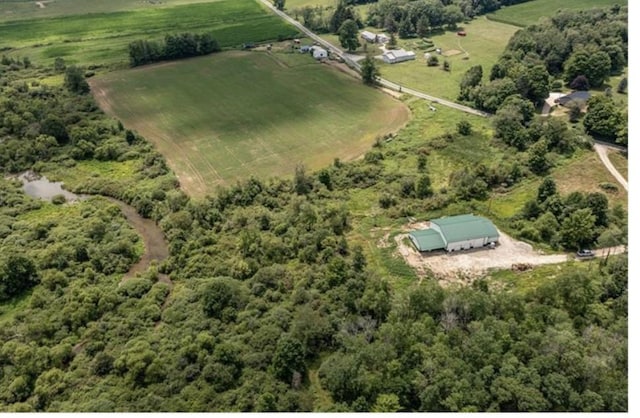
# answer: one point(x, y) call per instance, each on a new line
point(577, 230)
point(348, 35)
point(369, 71)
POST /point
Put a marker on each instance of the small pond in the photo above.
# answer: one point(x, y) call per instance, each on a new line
point(40, 187)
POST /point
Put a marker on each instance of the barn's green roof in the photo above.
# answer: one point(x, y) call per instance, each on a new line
point(465, 227)
point(427, 240)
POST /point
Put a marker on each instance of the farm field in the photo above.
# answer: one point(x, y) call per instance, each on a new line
point(29, 9)
point(528, 13)
point(103, 38)
point(484, 43)
point(233, 115)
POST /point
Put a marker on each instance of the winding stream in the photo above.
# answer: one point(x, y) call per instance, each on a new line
point(155, 246)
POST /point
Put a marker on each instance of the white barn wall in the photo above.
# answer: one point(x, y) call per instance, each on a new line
point(466, 244)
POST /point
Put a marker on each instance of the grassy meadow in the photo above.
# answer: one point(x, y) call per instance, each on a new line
point(583, 172)
point(103, 38)
point(528, 13)
point(484, 43)
point(228, 116)
point(621, 162)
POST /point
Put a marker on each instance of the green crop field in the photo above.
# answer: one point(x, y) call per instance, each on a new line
point(528, 13)
point(30, 9)
point(232, 115)
point(484, 43)
point(102, 38)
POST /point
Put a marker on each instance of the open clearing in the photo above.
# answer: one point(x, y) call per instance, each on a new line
point(460, 266)
point(528, 13)
point(620, 162)
point(229, 116)
point(103, 38)
point(484, 43)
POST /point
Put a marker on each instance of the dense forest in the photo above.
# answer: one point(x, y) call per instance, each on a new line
point(269, 307)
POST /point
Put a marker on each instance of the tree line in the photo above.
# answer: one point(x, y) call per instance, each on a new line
point(174, 46)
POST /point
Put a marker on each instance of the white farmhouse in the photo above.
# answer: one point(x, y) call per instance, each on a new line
point(398, 55)
point(382, 38)
point(319, 53)
point(373, 38)
point(368, 36)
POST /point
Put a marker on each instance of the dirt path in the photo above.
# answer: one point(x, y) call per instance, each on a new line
point(463, 266)
point(602, 151)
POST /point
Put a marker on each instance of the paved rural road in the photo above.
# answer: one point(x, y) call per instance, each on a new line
point(349, 58)
point(602, 149)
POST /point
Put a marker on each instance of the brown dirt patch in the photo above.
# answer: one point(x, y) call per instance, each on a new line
point(451, 52)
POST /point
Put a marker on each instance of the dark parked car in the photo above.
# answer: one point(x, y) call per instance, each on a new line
point(585, 254)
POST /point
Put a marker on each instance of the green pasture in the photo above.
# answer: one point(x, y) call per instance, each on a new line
point(103, 38)
point(229, 116)
point(484, 43)
point(296, 4)
point(528, 13)
point(29, 9)
point(291, 5)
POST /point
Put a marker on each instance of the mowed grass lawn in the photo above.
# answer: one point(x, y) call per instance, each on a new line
point(530, 12)
point(233, 115)
point(103, 38)
point(484, 43)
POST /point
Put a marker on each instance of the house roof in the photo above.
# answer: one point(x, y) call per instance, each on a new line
point(465, 227)
point(368, 35)
point(427, 239)
point(576, 95)
point(399, 53)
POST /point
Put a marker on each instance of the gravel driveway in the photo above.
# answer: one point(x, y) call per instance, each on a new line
point(473, 263)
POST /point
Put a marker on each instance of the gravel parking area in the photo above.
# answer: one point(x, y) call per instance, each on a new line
point(469, 264)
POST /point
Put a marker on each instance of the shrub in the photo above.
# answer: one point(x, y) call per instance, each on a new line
point(608, 187)
point(58, 199)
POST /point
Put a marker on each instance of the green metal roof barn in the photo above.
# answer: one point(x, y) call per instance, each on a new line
point(427, 240)
point(454, 233)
